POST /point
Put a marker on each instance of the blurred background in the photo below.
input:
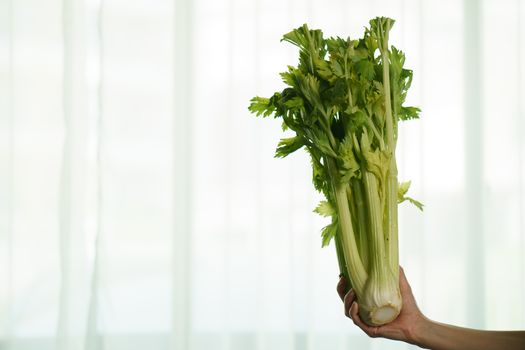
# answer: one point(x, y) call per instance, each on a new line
point(141, 206)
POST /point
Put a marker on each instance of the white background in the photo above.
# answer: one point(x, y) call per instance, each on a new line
point(141, 206)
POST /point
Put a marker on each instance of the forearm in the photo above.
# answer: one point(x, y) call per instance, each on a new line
point(439, 336)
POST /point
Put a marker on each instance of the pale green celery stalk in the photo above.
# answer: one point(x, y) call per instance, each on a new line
point(391, 234)
point(391, 218)
point(349, 261)
point(381, 302)
point(361, 222)
point(360, 235)
point(353, 261)
point(340, 258)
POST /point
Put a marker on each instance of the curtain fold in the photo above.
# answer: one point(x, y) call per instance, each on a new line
point(78, 243)
point(520, 43)
point(474, 132)
point(183, 133)
point(7, 174)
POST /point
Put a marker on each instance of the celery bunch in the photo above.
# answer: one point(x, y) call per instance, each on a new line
point(343, 101)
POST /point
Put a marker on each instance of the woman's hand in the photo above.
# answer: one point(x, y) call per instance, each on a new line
point(413, 327)
point(406, 327)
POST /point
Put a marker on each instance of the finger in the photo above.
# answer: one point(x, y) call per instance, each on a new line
point(341, 287)
point(348, 300)
point(372, 332)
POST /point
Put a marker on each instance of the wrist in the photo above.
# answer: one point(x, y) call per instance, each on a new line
point(418, 334)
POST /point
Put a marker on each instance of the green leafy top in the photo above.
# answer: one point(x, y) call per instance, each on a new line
point(334, 101)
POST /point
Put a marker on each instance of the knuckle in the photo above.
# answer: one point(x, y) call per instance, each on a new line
point(374, 333)
point(340, 290)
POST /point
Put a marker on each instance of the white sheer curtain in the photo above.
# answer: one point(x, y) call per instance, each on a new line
point(141, 206)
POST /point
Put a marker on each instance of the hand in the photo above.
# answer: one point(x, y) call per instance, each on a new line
point(406, 327)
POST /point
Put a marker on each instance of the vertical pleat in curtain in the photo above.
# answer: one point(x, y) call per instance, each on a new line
point(70, 208)
point(520, 42)
point(141, 206)
point(6, 171)
point(521, 125)
point(474, 168)
point(183, 106)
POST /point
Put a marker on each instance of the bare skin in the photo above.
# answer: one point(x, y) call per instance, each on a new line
point(411, 326)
